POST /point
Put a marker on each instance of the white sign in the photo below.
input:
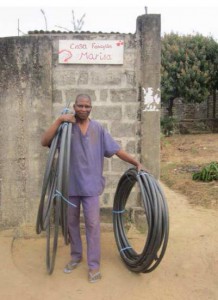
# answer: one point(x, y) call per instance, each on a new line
point(91, 52)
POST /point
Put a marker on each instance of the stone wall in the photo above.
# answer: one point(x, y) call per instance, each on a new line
point(201, 110)
point(34, 89)
point(194, 117)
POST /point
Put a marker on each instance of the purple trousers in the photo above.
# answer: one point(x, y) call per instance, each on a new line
point(91, 212)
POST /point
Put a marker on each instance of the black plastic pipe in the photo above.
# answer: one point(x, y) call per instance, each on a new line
point(156, 211)
point(52, 211)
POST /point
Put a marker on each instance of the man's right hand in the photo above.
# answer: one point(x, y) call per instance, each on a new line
point(48, 135)
point(67, 118)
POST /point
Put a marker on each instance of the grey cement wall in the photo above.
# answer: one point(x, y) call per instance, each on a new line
point(183, 110)
point(25, 100)
point(194, 118)
point(150, 63)
point(34, 89)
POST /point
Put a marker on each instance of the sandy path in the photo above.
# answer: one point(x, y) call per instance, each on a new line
point(188, 270)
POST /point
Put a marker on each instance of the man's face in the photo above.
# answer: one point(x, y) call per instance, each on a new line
point(82, 108)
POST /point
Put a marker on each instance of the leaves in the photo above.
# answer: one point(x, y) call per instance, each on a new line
point(168, 125)
point(208, 173)
point(189, 67)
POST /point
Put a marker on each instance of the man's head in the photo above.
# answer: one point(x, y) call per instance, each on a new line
point(83, 106)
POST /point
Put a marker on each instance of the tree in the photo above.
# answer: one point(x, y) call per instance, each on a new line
point(45, 19)
point(77, 23)
point(188, 68)
point(212, 57)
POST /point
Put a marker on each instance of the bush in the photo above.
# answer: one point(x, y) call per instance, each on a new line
point(168, 125)
point(207, 173)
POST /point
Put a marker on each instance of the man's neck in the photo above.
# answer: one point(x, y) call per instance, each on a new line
point(82, 121)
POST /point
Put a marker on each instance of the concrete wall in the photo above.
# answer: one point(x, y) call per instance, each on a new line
point(149, 68)
point(194, 117)
point(25, 100)
point(34, 88)
point(182, 110)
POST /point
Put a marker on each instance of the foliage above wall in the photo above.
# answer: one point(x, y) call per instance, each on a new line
point(189, 68)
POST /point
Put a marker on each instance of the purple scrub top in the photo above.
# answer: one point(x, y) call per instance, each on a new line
point(87, 159)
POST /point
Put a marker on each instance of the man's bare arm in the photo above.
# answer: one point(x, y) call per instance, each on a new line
point(49, 134)
point(128, 158)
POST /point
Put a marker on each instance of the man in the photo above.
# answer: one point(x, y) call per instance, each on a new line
point(90, 143)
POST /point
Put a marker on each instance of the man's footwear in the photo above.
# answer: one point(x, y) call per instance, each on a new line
point(94, 276)
point(71, 266)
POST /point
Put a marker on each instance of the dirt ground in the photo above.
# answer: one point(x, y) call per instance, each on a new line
point(188, 270)
point(181, 156)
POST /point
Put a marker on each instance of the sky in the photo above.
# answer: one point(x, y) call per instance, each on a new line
point(182, 17)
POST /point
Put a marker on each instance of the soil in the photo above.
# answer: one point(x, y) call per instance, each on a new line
point(181, 157)
point(188, 270)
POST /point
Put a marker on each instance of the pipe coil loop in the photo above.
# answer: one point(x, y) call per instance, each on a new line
point(52, 211)
point(156, 212)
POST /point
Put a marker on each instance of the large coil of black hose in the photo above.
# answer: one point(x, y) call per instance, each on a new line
point(156, 212)
point(52, 211)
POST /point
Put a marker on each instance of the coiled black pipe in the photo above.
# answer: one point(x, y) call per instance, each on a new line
point(156, 211)
point(52, 211)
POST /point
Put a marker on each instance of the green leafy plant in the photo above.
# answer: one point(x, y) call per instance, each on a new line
point(207, 173)
point(189, 69)
point(168, 124)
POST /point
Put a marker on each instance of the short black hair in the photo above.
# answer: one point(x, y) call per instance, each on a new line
point(80, 96)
